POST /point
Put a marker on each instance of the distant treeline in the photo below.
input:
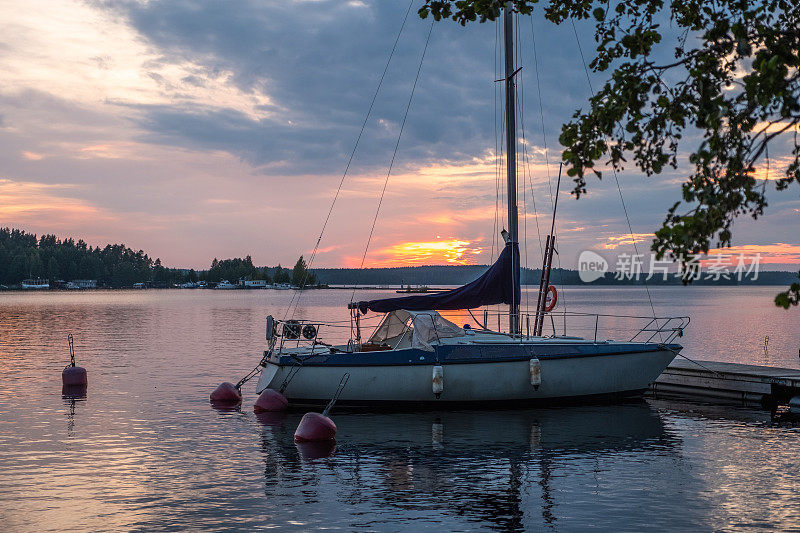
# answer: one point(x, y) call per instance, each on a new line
point(24, 256)
point(460, 274)
point(235, 269)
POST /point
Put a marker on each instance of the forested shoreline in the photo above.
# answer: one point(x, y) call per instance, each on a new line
point(23, 256)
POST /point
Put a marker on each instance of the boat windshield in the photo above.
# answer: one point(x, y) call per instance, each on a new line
point(413, 329)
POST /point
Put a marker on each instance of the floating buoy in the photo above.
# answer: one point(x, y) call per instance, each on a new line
point(271, 418)
point(73, 391)
point(316, 450)
point(270, 400)
point(227, 394)
point(73, 376)
point(315, 427)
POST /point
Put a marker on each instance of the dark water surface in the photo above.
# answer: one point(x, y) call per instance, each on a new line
point(145, 451)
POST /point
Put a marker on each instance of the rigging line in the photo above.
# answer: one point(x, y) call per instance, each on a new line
point(496, 150)
point(541, 110)
point(394, 154)
point(524, 199)
point(527, 171)
point(616, 179)
point(520, 100)
point(546, 158)
point(352, 156)
point(529, 183)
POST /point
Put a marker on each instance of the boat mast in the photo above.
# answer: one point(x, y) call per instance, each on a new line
point(511, 158)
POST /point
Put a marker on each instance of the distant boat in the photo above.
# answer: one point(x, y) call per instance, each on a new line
point(226, 285)
point(76, 284)
point(139, 285)
point(415, 290)
point(282, 286)
point(35, 284)
point(189, 285)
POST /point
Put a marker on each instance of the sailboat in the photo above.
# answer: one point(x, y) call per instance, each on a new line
point(417, 357)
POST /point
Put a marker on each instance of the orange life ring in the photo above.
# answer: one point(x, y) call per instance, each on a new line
point(553, 300)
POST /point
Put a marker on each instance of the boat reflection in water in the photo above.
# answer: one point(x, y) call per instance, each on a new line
point(495, 467)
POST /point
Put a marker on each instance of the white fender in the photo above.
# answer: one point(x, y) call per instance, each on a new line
point(535, 368)
point(437, 380)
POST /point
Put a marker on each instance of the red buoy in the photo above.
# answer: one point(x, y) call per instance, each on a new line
point(226, 393)
point(271, 418)
point(74, 376)
point(271, 400)
point(316, 450)
point(315, 427)
point(73, 391)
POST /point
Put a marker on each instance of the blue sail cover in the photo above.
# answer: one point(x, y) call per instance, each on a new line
point(498, 285)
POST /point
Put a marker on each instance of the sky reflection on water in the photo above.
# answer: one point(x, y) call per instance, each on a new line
point(143, 450)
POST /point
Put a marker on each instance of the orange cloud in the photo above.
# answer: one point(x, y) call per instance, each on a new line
point(31, 202)
point(616, 241)
point(786, 127)
point(442, 217)
point(778, 252)
point(32, 156)
point(777, 168)
point(449, 251)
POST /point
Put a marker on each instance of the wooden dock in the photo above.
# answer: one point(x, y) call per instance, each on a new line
point(748, 384)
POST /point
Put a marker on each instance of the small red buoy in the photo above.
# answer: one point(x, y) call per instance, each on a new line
point(270, 400)
point(315, 427)
point(271, 418)
point(316, 450)
point(226, 393)
point(73, 391)
point(73, 376)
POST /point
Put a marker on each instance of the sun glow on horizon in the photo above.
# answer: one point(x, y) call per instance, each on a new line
point(778, 253)
point(446, 251)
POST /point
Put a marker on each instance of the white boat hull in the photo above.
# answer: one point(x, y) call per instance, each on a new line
point(504, 381)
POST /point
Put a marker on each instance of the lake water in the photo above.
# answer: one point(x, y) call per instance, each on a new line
point(144, 450)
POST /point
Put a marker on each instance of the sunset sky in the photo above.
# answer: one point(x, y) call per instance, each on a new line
point(195, 130)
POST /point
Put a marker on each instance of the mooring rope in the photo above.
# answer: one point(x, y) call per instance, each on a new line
point(689, 359)
point(394, 154)
point(298, 291)
point(547, 163)
point(616, 180)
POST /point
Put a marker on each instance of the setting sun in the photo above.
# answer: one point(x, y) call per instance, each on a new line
point(449, 251)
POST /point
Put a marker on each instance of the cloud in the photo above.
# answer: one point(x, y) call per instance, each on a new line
point(202, 129)
point(615, 241)
point(775, 253)
point(32, 156)
point(92, 56)
point(40, 203)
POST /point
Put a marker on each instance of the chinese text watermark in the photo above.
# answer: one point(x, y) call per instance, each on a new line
point(635, 267)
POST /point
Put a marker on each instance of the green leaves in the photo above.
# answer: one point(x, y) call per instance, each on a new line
point(734, 86)
point(789, 298)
